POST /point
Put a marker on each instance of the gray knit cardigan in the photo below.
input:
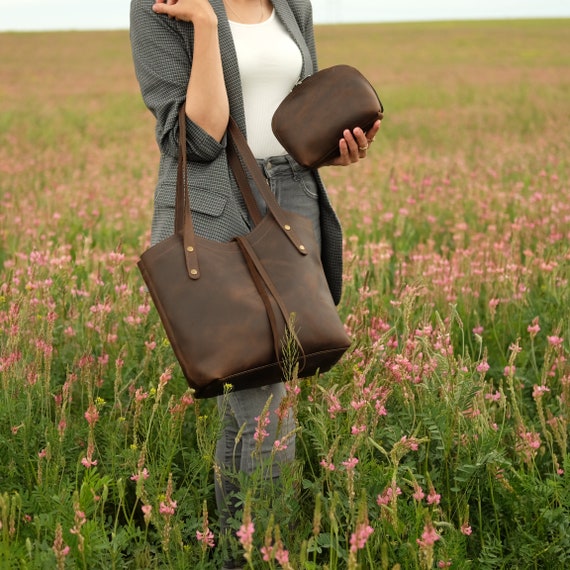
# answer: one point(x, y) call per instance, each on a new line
point(162, 54)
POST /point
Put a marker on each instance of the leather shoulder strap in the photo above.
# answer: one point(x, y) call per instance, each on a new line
point(240, 151)
point(242, 148)
point(182, 219)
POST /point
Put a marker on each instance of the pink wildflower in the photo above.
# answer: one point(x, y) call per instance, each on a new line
point(534, 329)
point(357, 430)
point(433, 498)
point(533, 439)
point(380, 408)
point(167, 508)
point(281, 555)
point(206, 538)
point(429, 536)
point(418, 492)
point(539, 391)
point(187, 399)
point(279, 445)
point(388, 495)
point(510, 370)
point(466, 529)
point(92, 415)
point(143, 309)
point(141, 395)
point(60, 549)
point(165, 377)
point(493, 304)
point(88, 462)
point(494, 396)
point(351, 463)
point(555, 340)
point(147, 510)
point(360, 536)
point(410, 443)
point(528, 445)
point(262, 422)
point(358, 404)
point(80, 520)
point(144, 474)
point(483, 367)
point(245, 535)
point(267, 552)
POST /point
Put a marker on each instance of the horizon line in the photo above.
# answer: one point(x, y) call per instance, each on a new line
point(316, 23)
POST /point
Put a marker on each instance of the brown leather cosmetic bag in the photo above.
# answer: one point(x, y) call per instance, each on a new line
point(244, 312)
point(310, 121)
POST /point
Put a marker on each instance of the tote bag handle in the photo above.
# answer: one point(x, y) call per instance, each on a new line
point(238, 152)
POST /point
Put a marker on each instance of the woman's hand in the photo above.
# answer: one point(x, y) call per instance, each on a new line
point(186, 10)
point(354, 145)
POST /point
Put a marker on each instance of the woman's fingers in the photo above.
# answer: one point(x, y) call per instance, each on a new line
point(371, 133)
point(355, 144)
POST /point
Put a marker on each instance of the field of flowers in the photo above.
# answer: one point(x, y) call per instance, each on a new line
point(439, 441)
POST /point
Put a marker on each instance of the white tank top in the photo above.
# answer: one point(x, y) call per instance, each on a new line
point(270, 64)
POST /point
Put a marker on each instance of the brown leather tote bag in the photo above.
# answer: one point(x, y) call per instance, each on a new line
point(310, 121)
point(232, 310)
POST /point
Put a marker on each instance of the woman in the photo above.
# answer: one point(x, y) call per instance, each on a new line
point(238, 57)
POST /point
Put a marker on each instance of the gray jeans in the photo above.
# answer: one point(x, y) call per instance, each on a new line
point(294, 187)
point(238, 450)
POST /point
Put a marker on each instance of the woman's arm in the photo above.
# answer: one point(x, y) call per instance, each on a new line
point(206, 97)
point(163, 59)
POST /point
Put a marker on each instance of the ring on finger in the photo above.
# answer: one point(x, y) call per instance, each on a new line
point(363, 147)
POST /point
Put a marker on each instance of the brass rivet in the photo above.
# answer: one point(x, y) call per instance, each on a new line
point(302, 247)
point(287, 227)
point(190, 248)
point(193, 272)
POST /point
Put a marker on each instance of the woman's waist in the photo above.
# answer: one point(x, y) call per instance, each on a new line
point(279, 165)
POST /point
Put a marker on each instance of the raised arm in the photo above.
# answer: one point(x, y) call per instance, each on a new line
point(206, 97)
point(178, 62)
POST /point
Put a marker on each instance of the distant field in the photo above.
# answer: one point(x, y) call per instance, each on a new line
point(440, 440)
point(454, 92)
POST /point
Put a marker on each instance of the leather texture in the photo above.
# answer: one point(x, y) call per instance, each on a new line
point(228, 306)
point(310, 121)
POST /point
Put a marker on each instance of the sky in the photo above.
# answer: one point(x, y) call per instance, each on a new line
point(32, 15)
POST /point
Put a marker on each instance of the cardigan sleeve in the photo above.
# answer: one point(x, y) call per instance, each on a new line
point(309, 35)
point(302, 11)
point(161, 49)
